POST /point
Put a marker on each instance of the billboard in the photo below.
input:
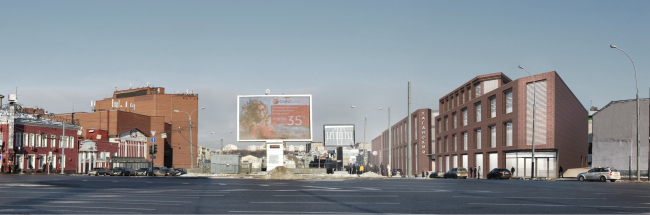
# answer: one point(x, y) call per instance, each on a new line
point(338, 135)
point(274, 118)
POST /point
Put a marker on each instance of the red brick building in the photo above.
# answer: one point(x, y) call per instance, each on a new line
point(487, 122)
point(150, 112)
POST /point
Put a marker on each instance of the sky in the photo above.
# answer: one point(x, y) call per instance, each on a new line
point(61, 55)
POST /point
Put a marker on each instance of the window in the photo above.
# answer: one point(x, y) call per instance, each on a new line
point(455, 143)
point(493, 107)
point(463, 92)
point(509, 101)
point(477, 89)
point(465, 117)
point(19, 139)
point(508, 133)
point(478, 112)
point(455, 120)
point(478, 139)
point(440, 145)
point(493, 136)
point(446, 123)
point(38, 140)
point(439, 126)
point(465, 141)
point(71, 143)
point(44, 137)
point(25, 140)
point(446, 144)
point(61, 142)
point(53, 141)
point(31, 140)
point(457, 100)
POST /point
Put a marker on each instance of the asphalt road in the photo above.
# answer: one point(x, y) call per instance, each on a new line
point(180, 195)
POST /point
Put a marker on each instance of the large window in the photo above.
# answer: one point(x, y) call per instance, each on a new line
point(465, 117)
point(38, 140)
point(477, 90)
point(446, 144)
point(509, 101)
point(478, 112)
point(455, 120)
point(44, 137)
point(478, 139)
point(493, 136)
point(455, 143)
point(465, 141)
point(493, 107)
point(25, 140)
point(446, 123)
point(439, 126)
point(508, 133)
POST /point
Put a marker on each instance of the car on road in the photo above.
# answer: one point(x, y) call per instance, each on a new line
point(600, 174)
point(143, 171)
point(499, 173)
point(122, 171)
point(98, 171)
point(396, 171)
point(437, 174)
point(456, 173)
point(164, 171)
point(181, 171)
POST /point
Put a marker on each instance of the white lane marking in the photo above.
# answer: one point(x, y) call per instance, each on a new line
point(366, 203)
point(488, 197)
point(375, 196)
point(539, 205)
point(76, 206)
point(286, 212)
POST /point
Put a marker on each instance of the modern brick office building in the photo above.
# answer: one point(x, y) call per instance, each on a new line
point(487, 122)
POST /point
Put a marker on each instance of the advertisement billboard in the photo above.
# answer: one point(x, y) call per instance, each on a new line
point(338, 135)
point(275, 118)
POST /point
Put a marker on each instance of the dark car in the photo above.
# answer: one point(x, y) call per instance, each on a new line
point(437, 174)
point(98, 171)
point(501, 173)
point(122, 171)
point(164, 171)
point(143, 171)
point(181, 171)
point(456, 173)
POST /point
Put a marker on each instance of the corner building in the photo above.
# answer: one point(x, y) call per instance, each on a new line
point(488, 123)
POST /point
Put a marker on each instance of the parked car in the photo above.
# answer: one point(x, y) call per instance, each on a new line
point(164, 171)
point(181, 171)
point(395, 171)
point(143, 171)
point(172, 172)
point(499, 173)
point(601, 174)
point(122, 171)
point(98, 171)
point(437, 174)
point(456, 173)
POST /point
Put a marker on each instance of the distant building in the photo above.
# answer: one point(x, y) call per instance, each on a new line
point(614, 135)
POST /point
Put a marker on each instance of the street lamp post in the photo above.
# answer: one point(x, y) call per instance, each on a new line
point(638, 138)
point(532, 170)
point(191, 141)
point(365, 145)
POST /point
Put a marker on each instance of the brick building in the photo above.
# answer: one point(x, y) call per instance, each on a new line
point(421, 143)
point(487, 122)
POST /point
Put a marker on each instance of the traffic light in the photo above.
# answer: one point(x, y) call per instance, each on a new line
point(151, 149)
point(155, 148)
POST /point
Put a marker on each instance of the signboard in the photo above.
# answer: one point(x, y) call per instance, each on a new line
point(338, 135)
point(274, 118)
point(153, 139)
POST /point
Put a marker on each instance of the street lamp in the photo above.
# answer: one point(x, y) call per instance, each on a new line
point(532, 170)
point(365, 147)
point(638, 173)
point(191, 142)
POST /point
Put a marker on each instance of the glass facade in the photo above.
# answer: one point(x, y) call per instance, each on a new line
point(545, 164)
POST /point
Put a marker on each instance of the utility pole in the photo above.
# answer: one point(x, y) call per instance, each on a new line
point(408, 142)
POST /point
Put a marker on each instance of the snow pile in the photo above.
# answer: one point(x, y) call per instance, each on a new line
point(281, 173)
point(370, 175)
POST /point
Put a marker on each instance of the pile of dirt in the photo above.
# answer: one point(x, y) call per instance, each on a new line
point(281, 173)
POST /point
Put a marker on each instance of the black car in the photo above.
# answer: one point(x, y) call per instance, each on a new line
point(98, 171)
point(499, 173)
point(122, 171)
point(143, 171)
point(181, 171)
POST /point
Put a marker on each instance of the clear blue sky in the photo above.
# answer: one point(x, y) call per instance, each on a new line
point(62, 54)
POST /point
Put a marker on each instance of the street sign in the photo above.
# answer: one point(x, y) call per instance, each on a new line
point(153, 139)
point(163, 135)
point(153, 133)
point(153, 157)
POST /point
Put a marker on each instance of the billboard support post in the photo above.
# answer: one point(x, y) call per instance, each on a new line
point(274, 154)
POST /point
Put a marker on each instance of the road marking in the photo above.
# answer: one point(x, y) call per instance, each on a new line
point(365, 203)
point(286, 212)
point(374, 196)
point(76, 206)
point(487, 197)
point(540, 205)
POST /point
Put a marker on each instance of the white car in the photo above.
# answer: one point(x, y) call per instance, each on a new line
point(600, 174)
